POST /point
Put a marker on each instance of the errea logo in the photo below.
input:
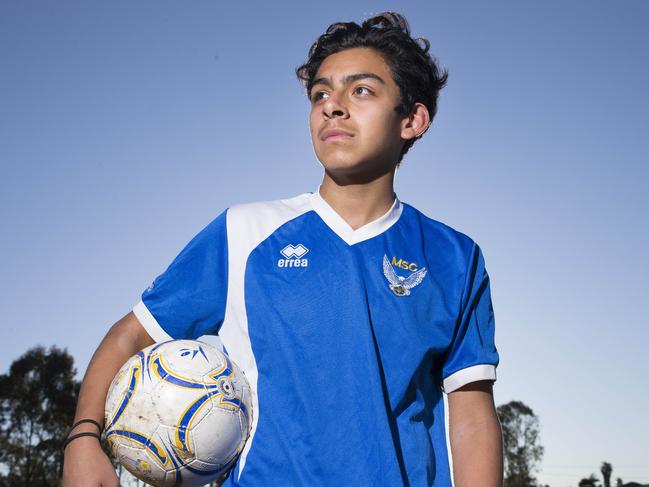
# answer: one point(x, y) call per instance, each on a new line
point(293, 256)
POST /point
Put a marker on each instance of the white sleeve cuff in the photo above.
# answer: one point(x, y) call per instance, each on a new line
point(470, 374)
point(149, 323)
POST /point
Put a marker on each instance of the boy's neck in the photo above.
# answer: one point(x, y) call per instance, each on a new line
point(359, 204)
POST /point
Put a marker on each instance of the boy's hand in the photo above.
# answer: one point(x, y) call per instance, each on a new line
point(86, 465)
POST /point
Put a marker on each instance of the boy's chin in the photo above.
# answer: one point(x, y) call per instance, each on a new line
point(348, 171)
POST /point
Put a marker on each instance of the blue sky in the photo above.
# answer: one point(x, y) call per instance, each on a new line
point(125, 127)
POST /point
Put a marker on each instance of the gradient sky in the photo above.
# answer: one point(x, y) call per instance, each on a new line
point(125, 127)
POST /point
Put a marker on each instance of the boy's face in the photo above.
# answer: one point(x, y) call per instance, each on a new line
point(355, 129)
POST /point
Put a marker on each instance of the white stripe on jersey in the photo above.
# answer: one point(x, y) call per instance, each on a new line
point(247, 226)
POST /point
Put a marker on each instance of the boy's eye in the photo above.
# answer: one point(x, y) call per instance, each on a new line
point(362, 90)
point(318, 96)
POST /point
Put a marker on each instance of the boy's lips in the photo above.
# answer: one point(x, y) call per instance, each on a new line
point(335, 134)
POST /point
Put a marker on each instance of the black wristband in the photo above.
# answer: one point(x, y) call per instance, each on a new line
point(79, 435)
point(81, 421)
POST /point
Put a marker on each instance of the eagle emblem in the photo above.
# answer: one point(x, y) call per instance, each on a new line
point(401, 286)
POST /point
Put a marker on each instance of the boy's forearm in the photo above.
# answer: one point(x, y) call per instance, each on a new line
point(476, 438)
point(85, 462)
point(124, 339)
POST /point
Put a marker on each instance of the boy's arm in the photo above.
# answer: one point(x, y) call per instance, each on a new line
point(476, 437)
point(85, 463)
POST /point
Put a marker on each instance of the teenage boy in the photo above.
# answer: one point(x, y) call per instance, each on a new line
point(349, 311)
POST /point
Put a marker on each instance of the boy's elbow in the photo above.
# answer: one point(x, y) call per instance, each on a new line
point(130, 333)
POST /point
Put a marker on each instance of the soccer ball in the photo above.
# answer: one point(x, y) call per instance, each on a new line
point(178, 412)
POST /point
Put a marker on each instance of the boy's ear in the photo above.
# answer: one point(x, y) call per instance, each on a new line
point(416, 123)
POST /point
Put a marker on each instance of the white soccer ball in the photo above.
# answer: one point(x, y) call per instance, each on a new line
point(178, 412)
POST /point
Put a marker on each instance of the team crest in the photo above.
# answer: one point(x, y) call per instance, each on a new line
point(401, 286)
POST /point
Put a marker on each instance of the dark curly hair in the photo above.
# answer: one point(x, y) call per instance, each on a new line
point(414, 71)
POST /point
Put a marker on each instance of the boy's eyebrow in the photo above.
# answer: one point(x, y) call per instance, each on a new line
point(350, 78)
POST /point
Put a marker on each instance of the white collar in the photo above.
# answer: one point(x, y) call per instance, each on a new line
point(341, 228)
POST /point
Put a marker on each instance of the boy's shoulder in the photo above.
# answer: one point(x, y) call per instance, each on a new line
point(267, 214)
point(438, 232)
point(249, 224)
point(262, 209)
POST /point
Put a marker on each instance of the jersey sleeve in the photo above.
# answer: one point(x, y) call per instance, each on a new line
point(188, 299)
point(472, 355)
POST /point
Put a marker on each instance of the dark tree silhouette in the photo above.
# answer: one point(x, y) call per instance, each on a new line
point(521, 444)
point(37, 402)
point(607, 470)
point(591, 481)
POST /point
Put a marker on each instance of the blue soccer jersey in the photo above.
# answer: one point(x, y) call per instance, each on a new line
point(347, 337)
